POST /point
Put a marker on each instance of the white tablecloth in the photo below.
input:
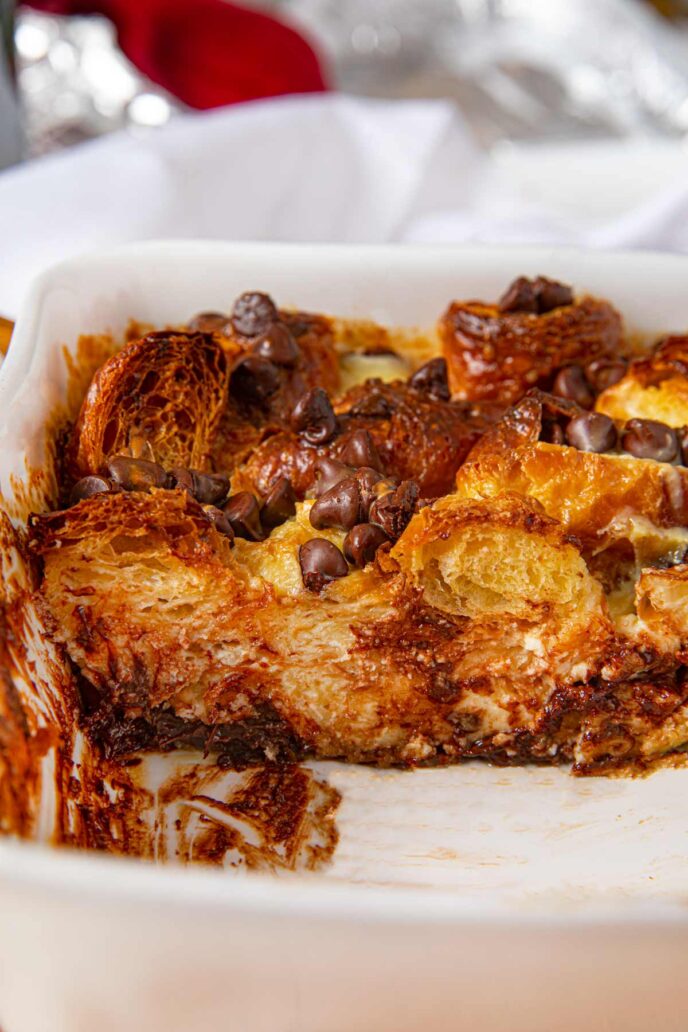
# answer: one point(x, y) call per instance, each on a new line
point(334, 168)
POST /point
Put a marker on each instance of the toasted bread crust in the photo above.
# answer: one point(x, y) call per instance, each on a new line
point(497, 356)
point(165, 390)
point(585, 491)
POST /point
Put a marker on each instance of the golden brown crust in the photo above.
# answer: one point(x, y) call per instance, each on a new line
point(166, 391)
point(173, 517)
point(629, 515)
point(585, 491)
point(497, 356)
point(122, 571)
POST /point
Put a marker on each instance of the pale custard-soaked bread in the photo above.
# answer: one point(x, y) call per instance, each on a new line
point(320, 562)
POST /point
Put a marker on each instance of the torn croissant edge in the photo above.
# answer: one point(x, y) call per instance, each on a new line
point(497, 624)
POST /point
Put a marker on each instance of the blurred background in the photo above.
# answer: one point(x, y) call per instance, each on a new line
point(517, 69)
point(548, 120)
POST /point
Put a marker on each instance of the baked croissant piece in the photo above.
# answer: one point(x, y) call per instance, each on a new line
point(498, 351)
point(165, 392)
point(435, 562)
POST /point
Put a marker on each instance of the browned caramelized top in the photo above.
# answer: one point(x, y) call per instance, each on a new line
point(416, 436)
point(496, 352)
point(241, 411)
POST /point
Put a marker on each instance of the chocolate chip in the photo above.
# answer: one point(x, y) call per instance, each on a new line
point(372, 485)
point(394, 510)
point(552, 294)
point(362, 542)
point(254, 379)
point(368, 477)
point(682, 435)
point(605, 372)
point(253, 313)
point(182, 478)
point(339, 507)
point(87, 487)
point(360, 450)
point(570, 383)
point(373, 404)
point(328, 472)
point(649, 439)
point(210, 488)
point(220, 520)
point(535, 296)
point(432, 379)
point(313, 417)
point(279, 504)
point(136, 474)
point(243, 512)
point(278, 345)
point(206, 488)
point(208, 322)
point(552, 433)
point(591, 432)
point(321, 562)
point(519, 297)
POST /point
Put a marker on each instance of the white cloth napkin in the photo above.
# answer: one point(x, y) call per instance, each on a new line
point(327, 168)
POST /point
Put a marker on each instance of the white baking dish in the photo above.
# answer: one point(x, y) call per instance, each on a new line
point(457, 899)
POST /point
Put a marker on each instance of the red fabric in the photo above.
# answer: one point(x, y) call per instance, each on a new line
point(206, 52)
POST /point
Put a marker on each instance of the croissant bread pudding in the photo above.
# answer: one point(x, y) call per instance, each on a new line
point(285, 535)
